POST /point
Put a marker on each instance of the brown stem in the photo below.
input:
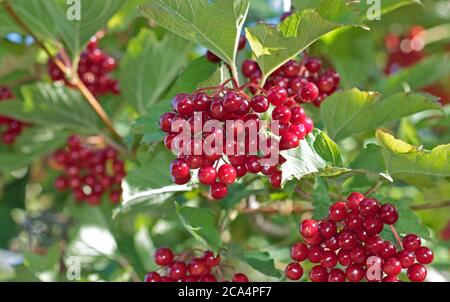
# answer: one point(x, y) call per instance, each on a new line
point(373, 188)
point(397, 237)
point(431, 206)
point(90, 98)
point(274, 209)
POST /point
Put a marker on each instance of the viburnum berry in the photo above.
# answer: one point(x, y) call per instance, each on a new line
point(424, 255)
point(239, 277)
point(187, 267)
point(93, 70)
point(351, 237)
point(309, 228)
point(231, 158)
point(416, 272)
point(336, 275)
point(163, 256)
point(13, 128)
point(411, 242)
point(294, 271)
point(89, 172)
point(305, 80)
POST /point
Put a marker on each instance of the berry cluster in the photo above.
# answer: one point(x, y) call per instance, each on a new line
point(304, 80)
point(408, 50)
point(350, 238)
point(404, 50)
point(210, 56)
point(89, 172)
point(234, 105)
point(93, 70)
point(185, 267)
point(13, 127)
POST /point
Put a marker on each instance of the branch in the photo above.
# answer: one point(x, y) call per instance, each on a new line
point(374, 188)
point(431, 206)
point(90, 98)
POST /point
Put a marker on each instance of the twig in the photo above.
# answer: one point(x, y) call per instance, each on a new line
point(397, 237)
point(90, 98)
point(373, 188)
point(431, 206)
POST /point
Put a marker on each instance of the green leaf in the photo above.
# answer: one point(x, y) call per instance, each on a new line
point(149, 184)
point(236, 193)
point(198, 71)
point(201, 224)
point(321, 199)
point(333, 10)
point(317, 155)
point(353, 111)
point(219, 76)
point(197, 20)
point(426, 72)
point(403, 158)
point(56, 25)
point(32, 144)
point(343, 48)
point(371, 159)
point(386, 6)
point(53, 105)
point(150, 66)
point(148, 124)
point(262, 262)
point(44, 267)
point(274, 46)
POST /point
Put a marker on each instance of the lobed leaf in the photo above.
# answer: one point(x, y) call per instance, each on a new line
point(352, 112)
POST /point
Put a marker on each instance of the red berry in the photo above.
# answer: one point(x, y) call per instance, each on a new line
point(392, 267)
point(329, 259)
point(406, 258)
point(207, 175)
point(424, 255)
point(309, 92)
point(338, 211)
point(277, 95)
point(240, 278)
point(309, 228)
point(259, 103)
point(355, 273)
point(353, 201)
point(328, 229)
point(289, 141)
point(227, 174)
point(336, 275)
point(197, 267)
point(294, 271)
point(416, 273)
point(318, 274)
point(152, 277)
point(232, 102)
point(282, 114)
point(163, 256)
point(275, 179)
point(179, 169)
point(218, 190)
point(210, 259)
point(177, 270)
point(373, 225)
point(313, 65)
point(299, 252)
point(368, 207)
point(388, 213)
point(411, 242)
point(249, 67)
